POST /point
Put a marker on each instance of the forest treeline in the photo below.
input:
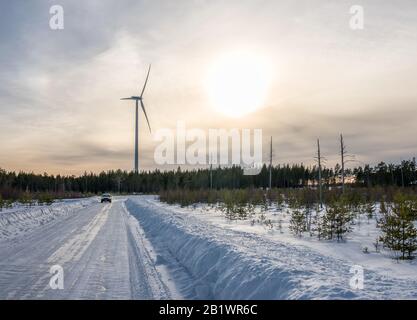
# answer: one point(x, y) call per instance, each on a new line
point(15, 185)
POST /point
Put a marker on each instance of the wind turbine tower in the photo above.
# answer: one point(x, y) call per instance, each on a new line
point(138, 99)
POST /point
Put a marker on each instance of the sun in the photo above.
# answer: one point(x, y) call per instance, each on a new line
point(237, 83)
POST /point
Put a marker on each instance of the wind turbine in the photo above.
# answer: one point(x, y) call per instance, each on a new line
point(137, 99)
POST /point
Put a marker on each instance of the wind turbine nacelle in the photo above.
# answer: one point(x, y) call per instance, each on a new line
point(135, 98)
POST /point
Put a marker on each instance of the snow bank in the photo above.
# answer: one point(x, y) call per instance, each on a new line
point(21, 219)
point(228, 264)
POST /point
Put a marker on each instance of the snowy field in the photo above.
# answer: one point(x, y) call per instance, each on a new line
point(140, 248)
point(238, 260)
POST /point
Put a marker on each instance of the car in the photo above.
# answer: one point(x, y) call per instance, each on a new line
point(106, 197)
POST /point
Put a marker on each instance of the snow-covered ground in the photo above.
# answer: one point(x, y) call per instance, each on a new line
point(140, 248)
point(238, 260)
point(364, 234)
point(20, 218)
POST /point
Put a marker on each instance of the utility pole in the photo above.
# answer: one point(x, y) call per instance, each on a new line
point(320, 186)
point(211, 176)
point(211, 172)
point(270, 166)
point(342, 154)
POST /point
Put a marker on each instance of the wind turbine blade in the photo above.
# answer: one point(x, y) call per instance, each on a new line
point(146, 116)
point(146, 81)
point(126, 99)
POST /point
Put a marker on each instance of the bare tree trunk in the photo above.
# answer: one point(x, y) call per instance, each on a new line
point(342, 154)
point(211, 176)
point(320, 185)
point(211, 172)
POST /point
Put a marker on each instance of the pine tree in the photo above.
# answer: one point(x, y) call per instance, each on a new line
point(316, 225)
point(228, 206)
point(250, 209)
point(383, 210)
point(398, 231)
point(336, 221)
point(370, 210)
point(382, 207)
point(265, 203)
point(279, 202)
point(280, 226)
point(298, 222)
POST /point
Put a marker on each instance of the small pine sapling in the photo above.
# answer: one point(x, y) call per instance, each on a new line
point(398, 231)
point(298, 222)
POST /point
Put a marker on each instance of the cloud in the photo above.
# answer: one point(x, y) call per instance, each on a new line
point(59, 90)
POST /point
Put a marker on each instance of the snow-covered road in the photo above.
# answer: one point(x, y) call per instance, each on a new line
point(100, 250)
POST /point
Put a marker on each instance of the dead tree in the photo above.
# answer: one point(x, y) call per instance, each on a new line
point(345, 157)
point(319, 163)
point(211, 171)
point(342, 155)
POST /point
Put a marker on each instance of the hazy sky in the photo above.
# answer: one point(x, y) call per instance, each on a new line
point(59, 90)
